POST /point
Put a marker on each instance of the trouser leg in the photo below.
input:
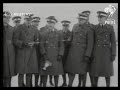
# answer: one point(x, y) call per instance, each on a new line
point(44, 80)
point(96, 81)
point(7, 82)
point(91, 80)
point(56, 80)
point(107, 81)
point(41, 80)
point(80, 80)
point(71, 78)
point(36, 80)
point(21, 80)
point(84, 80)
point(64, 79)
point(50, 80)
point(29, 80)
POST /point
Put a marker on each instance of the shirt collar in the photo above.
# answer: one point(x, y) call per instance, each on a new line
point(101, 24)
point(65, 30)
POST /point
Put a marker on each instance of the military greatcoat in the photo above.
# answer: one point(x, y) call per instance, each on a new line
point(81, 46)
point(8, 52)
point(26, 61)
point(67, 40)
point(53, 47)
point(104, 49)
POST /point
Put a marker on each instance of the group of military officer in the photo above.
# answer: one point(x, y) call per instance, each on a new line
point(87, 48)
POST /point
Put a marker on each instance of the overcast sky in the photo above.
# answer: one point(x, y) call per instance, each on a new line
point(61, 11)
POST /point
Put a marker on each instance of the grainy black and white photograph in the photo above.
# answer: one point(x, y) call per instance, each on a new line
point(60, 45)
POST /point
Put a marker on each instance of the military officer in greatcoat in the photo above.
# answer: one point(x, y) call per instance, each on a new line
point(16, 21)
point(8, 51)
point(87, 12)
point(41, 31)
point(25, 38)
point(35, 24)
point(66, 39)
point(80, 50)
point(53, 51)
point(104, 50)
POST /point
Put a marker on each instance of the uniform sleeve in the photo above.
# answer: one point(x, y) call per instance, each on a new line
point(42, 43)
point(69, 39)
point(90, 41)
point(16, 36)
point(61, 44)
point(71, 33)
point(36, 36)
point(113, 42)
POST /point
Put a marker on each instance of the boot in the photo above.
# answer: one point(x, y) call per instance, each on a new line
point(71, 78)
point(21, 80)
point(107, 81)
point(50, 81)
point(64, 81)
point(56, 80)
point(36, 80)
point(29, 80)
point(84, 80)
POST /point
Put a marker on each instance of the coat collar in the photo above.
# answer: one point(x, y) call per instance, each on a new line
point(65, 30)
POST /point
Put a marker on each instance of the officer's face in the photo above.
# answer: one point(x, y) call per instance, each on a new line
point(66, 27)
point(101, 20)
point(6, 20)
point(51, 24)
point(28, 21)
point(82, 21)
point(17, 23)
point(35, 24)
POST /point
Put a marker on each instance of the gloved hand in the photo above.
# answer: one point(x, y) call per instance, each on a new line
point(45, 56)
point(59, 58)
point(113, 58)
point(24, 44)
point(31, 44)
point(86, 59)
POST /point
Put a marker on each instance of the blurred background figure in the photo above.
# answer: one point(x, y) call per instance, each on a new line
point(35, 23)
point(66, 39)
